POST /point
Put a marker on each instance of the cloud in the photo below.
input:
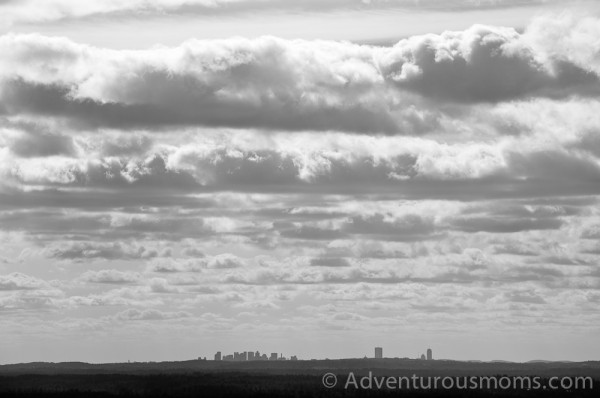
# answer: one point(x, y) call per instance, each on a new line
point(18, 281)
point(20, 292)
point(197, 169)
point(194, 252)
point(481, 64)
point(239, 83)
point(487, 224)
point(591, 232)
point(20, 303)
point(94, 200)
point(275, 84)
point(516, 248)
point(33, 140)
point(525, 297)
point(134, 314)
point(176, 265)
point(112, 277)
point(408, 228)
point(330, 262)
point(160, 285)
point(225, 261)
point(108, 251)
point(198, 264)
point(289, 230)
point(13, 11)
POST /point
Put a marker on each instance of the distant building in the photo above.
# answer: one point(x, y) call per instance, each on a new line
point(250, 356)
point(273, 357)
point(429, 354)
point(423, 357)
point(228, 357)
point(218, 356)
point(378, 352)
point(293, 358)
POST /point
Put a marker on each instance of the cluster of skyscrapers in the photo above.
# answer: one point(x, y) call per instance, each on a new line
point(252, 356)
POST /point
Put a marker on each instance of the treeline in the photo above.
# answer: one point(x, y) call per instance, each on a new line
point(226, 385)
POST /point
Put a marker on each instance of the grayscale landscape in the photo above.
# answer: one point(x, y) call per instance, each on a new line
point(278, 194)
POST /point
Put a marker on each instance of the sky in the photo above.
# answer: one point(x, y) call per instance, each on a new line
point(313, 178)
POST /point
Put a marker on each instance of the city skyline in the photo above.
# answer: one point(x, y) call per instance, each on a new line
point(310, 177)
point(256, 355)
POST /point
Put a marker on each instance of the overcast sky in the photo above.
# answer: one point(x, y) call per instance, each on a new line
point(180, 177)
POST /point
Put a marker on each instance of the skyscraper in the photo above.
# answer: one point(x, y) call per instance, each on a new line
point(378, 352)
point(218, 356)
point(429, 354)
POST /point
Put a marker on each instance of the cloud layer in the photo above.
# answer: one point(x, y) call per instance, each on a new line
point(52, 10)
point(297, 85)
point(267, 187)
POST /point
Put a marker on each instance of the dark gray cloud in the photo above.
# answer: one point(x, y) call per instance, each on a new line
point(194, 252)
point(408, 228)
point(515, 248)
point(37, 141)
point(127, 145)
point(189, 105)
point(506, 225)
point(288, 230)
point(330, 262)
point(81, 251)
point(134, 201)
point(591, 232)
point(488, 72)
point(40, 221)
point(525, 297)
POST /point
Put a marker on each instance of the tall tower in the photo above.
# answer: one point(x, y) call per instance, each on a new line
point(429, 354)
point(378, 352)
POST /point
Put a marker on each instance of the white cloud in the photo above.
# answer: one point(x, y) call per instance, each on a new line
point(19, 281)
point(110, 277)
